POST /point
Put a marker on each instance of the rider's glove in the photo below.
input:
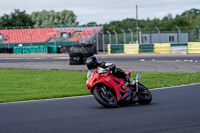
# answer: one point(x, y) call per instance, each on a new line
point(111, 68)
point(132, 82)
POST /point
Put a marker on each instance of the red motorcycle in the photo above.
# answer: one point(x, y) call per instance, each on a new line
point(111, 91)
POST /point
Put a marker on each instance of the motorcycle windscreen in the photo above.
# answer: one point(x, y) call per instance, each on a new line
point(101, 70)
point(90, 72)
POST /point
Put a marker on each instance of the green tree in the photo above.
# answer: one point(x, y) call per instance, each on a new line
point(195, 30)
point(186, 21)
point(52, 18)
point(16, 18)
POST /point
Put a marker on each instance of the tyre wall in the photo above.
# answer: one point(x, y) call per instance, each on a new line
point(179, 48)
point(6, 50)
point(131, 48)
point(146, 48)
point(193, 47)
point(162, 48)
point(115, 48)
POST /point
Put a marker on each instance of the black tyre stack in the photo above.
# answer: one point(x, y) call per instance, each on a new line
point(79, 58)
point(79, 53)
point(75, 59)
point(6, 50)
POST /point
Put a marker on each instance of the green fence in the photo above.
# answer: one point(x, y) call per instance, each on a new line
point(17, 50)
point(117, 48)
point(12, 45)
point(30, 49)
point(35, 49)
point(52, 49)
point(146, 48)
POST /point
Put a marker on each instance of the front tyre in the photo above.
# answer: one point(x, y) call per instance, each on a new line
point(105, 97)
point(145, 97)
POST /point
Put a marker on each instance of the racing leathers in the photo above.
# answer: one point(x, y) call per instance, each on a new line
point(119, 73)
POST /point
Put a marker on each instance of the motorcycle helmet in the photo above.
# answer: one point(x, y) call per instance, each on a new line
point(92, 62)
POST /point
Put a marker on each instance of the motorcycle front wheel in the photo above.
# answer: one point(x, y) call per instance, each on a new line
point(146, 97)
point(105, 96)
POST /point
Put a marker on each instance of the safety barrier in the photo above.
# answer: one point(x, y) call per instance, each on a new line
point(109, 48)
point(179, 48)
point(80, 48)
point(146, 48)
point(193, 47)
point(30, 49)
point(52, 49)
point(115, 48)
point(162, 48)
point(131, 48)
point(11, 45)
point(6, 50)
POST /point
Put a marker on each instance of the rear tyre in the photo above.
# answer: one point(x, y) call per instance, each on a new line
point(108, 100)
point(145, 98)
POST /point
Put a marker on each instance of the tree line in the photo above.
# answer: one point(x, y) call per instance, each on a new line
point(188, 20)
point(44, 19)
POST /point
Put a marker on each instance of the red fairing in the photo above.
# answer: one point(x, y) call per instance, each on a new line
point(107, 79)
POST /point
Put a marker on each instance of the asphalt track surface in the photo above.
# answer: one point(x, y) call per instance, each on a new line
point(146, 63)
point(107, 57)
point(173, 110)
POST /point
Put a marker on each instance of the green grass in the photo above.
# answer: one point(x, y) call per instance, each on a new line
point(28, 84)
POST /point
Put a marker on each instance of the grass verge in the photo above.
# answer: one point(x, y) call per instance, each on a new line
point(28, 84)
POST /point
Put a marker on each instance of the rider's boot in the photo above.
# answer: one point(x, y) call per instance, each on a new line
point(130, 80)
point(131, 86)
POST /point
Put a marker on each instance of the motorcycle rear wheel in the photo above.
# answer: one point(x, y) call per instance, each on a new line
point(108, 101)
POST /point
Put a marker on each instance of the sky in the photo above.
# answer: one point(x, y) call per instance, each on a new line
point(103, 11)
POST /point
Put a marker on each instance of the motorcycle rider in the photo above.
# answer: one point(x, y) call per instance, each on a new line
point(92, 63)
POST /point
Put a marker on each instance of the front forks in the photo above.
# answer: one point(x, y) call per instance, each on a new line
point(137, 81)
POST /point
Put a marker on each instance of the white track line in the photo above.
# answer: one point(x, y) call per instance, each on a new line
point(43, 100)
point(174, 86)
point(76, 97)
point(36, 58)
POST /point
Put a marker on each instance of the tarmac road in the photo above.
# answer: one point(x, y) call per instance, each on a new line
point(121, 58)
point(173, 110)
point(138, 63)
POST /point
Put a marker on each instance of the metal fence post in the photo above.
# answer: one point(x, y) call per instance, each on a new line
point(140, 35)
point(199, 31)
point(80, 39)
point(8, 41)
point(131, 36)
point(103, 41)
point(109, 37)
point(179, 34)
point(116, 38)
point(31, 39)
point(124, 36)
point(97, 43)
point(158, 34)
